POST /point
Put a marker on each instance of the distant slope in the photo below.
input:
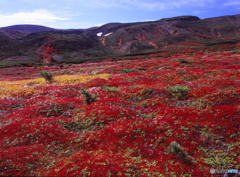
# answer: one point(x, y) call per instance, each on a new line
point(13, 34)
point(44, 44)
point(138, 37)
point(18, 31)
point(28, 28)
point(5, 42)
point(53, 46)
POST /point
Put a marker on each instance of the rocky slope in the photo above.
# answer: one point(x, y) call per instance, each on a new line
point(165, 32)
point(43, 44)
point(52, 46)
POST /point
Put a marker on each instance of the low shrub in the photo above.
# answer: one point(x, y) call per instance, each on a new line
point(181, 60)
point(47, 75)
point(178, 91)
point(89, 98)
point(176, 149)
point(127, 70)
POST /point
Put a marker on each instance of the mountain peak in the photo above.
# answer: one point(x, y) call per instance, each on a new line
point(182, 18)
point(28, 28)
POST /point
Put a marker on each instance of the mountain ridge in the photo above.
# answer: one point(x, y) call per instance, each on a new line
point(31, 28)
point(28, 28)
point(44, 44)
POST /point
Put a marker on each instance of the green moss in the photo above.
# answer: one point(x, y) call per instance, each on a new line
point(220, 160)
point(129, 70)
point(111, 89)
point(178, 91)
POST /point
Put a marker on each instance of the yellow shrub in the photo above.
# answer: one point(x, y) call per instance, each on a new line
point(71, 79)
point(25, 87)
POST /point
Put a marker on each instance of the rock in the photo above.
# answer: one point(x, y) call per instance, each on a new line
point(57, 58)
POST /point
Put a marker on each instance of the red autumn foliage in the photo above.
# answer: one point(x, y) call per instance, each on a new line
point(43, 131)
point(21, 160)
point(46, 51)
point(130, 126)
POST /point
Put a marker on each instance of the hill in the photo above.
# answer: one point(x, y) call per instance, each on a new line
point(35, 43)
point(171, 32)
point(27, 28)
point(53, 46)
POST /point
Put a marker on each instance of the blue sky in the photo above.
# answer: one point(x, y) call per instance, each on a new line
point(80, 14)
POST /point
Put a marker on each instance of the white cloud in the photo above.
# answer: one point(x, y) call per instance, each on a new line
point(151, 6)
point(106, 3)
point(148, 4)
point(232, 3)
point(39, 16)
point(173, 4)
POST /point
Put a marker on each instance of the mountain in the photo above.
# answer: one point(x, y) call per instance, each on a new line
point(160, 34)
point(27, 28)
point(17, 31)
point(44, 44)
point(53, 46)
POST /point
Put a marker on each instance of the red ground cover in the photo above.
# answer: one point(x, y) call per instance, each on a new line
point(132, 123)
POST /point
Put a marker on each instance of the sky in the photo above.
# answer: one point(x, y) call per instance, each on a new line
point(82, 14)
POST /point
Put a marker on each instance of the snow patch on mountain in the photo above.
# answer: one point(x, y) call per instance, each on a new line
point(99, 34)
point(108, 34)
